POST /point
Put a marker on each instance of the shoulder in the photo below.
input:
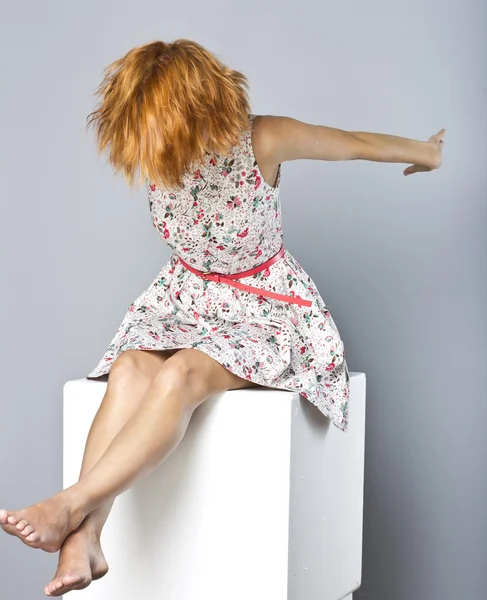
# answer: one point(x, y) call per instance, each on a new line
point(261, 133)
point(262, 137)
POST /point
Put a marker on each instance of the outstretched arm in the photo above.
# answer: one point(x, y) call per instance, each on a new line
point(290, 139)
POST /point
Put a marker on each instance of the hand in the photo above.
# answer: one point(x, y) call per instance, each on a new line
point(436, 144)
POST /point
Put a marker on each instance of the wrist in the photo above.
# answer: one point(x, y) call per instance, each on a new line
point(433, 155)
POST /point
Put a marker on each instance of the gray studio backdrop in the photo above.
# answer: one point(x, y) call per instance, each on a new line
point(400, 261)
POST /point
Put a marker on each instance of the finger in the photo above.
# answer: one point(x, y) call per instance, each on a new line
point(415, 169)
point(410, 170)
point(436, 138)
point(439, 136)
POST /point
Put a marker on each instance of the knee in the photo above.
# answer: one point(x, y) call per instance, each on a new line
point(181, 373)
point(127, 367)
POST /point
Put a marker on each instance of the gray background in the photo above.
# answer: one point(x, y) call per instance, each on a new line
point(399, 261)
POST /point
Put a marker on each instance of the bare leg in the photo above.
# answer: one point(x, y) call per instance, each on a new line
point(81, 559)
point(185, 380)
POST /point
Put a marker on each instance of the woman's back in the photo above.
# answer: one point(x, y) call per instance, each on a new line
point(226, 218)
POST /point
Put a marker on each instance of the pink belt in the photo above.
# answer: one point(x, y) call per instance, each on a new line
point(228, 278)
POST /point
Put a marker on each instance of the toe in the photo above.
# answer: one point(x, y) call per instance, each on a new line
point(56, 586)
point(32, 537)
point(12, 520)
point(21, 524)
point(3, 516)
point(28, 530)
point(9, 529)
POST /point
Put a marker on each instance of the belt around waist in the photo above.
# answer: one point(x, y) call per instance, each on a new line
point(229, 280)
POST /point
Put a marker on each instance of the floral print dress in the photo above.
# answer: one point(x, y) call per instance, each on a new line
point(227, 219)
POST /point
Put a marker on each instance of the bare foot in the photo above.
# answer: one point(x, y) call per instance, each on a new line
point(44, 525)
point(81, 561)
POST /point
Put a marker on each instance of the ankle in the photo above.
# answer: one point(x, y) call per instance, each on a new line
point(75, 506)
point(88, 532)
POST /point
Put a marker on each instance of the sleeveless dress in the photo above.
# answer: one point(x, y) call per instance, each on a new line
point(227, 219)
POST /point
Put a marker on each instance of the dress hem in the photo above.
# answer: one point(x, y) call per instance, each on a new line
point(105, 370)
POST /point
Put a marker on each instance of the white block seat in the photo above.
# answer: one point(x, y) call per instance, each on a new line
point(262, 500)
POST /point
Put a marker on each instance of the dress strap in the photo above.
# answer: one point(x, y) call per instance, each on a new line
point(248, 134)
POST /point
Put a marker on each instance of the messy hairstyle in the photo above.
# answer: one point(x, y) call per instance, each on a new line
point(164, 106)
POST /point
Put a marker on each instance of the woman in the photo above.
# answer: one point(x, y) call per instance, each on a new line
point(232, 308)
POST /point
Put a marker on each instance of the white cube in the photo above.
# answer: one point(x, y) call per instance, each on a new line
point(261, 500)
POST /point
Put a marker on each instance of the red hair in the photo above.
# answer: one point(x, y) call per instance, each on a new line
point(164, 106)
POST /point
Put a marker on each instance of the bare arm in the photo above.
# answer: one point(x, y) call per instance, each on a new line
point(290, 139)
